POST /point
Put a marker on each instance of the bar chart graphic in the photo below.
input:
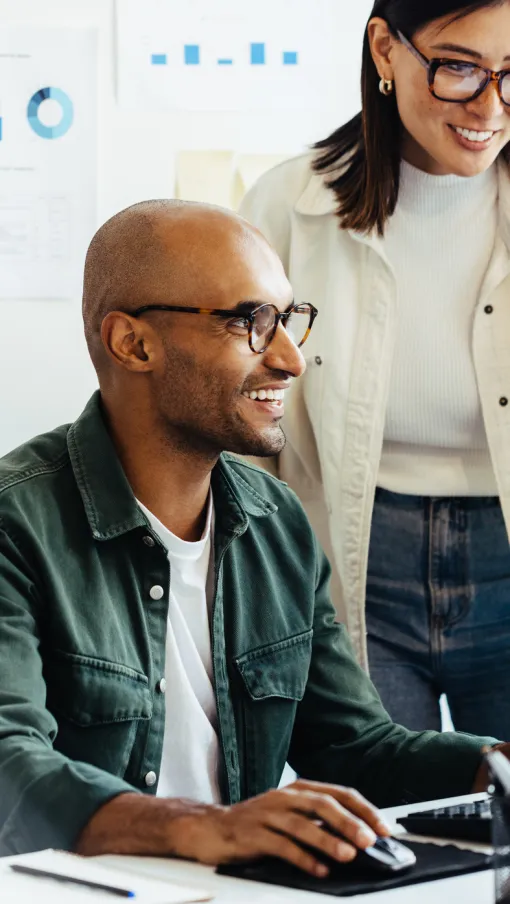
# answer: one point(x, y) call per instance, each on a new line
point(224, 54)
point(257, 54)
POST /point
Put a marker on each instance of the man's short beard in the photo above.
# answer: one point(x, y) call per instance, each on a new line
point(259, 446)
point(209, 444)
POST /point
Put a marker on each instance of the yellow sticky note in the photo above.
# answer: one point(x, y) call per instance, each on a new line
point(205, 176)
point(252, 166)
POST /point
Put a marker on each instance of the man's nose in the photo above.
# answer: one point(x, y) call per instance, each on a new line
point(283, 354)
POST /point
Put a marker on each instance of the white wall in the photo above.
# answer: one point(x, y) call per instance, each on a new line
point(45, 375)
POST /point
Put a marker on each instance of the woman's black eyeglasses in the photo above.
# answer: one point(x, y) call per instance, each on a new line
point(260, 324)
point(459, 81)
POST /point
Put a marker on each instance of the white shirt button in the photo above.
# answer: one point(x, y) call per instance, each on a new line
point(156, 592)
point(150, 779)
point(161, 685)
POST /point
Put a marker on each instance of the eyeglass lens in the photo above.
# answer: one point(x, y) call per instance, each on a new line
point(461, 81)
point(298, 324)
point(263, 327)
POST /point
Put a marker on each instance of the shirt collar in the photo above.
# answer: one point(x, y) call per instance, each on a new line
point(110, 505)
point(188, 550)
point(319, 200)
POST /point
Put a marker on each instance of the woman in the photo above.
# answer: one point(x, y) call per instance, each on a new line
point(398, 436)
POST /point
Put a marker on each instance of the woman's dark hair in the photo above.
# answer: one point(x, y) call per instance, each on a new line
point(366, 152)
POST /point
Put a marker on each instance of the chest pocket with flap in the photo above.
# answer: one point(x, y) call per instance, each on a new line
point(98, 706)
point(279, 669)
point(89, 691)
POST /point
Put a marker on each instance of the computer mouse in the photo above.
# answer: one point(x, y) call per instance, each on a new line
point(385, 858)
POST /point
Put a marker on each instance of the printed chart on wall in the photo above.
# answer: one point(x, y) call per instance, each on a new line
point(226, 55)
point(47, 159)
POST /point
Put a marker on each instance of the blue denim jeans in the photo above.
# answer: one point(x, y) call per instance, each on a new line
point(438, 611)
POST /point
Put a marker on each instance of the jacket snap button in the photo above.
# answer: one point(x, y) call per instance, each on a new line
point(503, 402)
point(156, 592)
point(161, 685)
point(489, 309)
point(149, 541)
point(150, 779)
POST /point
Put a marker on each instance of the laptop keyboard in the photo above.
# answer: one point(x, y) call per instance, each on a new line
point(466, 822)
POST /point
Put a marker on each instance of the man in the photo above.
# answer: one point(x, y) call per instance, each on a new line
point(166, 637)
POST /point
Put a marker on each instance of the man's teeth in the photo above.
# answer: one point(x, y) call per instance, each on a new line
point(263, 395)
point(474, 136)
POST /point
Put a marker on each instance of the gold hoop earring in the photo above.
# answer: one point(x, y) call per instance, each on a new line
point(386, 86)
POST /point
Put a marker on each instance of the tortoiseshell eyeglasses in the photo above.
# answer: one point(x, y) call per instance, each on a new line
point(259, 324)
point(459, 81)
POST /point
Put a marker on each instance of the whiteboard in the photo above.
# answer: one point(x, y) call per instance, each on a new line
point(284, 71)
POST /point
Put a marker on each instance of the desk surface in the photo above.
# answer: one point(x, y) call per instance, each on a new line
point(476, 888)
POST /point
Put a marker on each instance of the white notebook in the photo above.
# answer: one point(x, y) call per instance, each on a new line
point(17, 887)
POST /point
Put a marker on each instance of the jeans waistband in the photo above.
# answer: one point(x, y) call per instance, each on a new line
point(404, 501)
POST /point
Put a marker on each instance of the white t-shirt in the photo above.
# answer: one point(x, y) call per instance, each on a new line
point(439, 241)
point(191, 750)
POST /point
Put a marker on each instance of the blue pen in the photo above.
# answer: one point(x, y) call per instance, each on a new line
point(88, 883)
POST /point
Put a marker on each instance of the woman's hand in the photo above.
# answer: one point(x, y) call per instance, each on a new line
point(482, 780)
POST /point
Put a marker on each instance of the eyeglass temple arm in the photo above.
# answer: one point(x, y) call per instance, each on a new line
point(414, 50)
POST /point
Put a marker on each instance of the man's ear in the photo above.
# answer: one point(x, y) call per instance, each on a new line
point(128, 341)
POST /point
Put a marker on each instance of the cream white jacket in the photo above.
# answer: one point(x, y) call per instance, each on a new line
point(335, 414)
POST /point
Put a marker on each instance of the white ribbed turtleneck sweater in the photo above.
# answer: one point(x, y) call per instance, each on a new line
point(439, 242)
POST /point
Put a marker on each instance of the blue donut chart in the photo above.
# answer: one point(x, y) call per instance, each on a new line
point(66, 121)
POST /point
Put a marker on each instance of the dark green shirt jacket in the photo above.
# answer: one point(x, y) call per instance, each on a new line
point(82, 648)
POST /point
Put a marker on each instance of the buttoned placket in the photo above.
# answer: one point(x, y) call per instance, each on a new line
point(490, 349)
point(155, 587)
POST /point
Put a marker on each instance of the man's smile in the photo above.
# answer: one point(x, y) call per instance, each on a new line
point(267, 400)
point(263, 395)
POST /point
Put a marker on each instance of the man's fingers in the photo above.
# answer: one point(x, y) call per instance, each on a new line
point(307, 831)
point(337, 819)
point(286, 849)
point(352, 801)
point(370, 815)
point(299, 824)
point(324, 807)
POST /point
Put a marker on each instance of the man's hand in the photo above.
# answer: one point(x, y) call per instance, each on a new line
point(279, 822)
point(276, 823)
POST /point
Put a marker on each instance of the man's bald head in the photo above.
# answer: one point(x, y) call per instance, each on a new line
point(158, 252)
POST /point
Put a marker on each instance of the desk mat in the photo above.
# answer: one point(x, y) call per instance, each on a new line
point(433, 862)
